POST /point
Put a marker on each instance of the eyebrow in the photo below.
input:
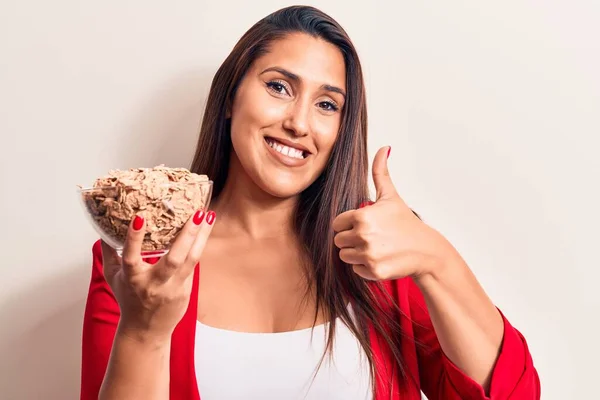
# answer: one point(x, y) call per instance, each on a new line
point(294, 77)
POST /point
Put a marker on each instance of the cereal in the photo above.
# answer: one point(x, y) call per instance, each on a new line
point(165, 197)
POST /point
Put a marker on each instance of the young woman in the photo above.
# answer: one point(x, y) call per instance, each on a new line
point(306, 290)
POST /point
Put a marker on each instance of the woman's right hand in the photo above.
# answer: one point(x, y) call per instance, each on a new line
point(154, 297)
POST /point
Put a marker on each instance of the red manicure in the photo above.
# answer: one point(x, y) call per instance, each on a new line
point(210, 217)
point(389, 150)
point(365, 203)
point(138, 222)
point(198, 217)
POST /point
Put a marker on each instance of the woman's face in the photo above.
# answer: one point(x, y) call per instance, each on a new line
point(286, 114)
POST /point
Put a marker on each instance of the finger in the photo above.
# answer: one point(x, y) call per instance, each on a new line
point(198, 247)
point(364, 272)
point(180, 248)
point(132, 250)
point(347, 239)
point(351, 255)
point(111, 262)
point(381, 175)
point(345, 221)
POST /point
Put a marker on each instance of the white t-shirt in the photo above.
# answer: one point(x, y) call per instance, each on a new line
point(280, 366)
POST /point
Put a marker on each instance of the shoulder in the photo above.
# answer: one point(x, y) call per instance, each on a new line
point(101, 304)
point(97, 264)
point(97, 256)
point(97, 250)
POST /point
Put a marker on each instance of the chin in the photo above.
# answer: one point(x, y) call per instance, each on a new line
point(282, 186)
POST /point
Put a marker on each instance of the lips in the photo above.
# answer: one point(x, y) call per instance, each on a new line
point(288, 149)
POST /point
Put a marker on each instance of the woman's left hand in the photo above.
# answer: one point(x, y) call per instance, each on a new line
point(386, 240)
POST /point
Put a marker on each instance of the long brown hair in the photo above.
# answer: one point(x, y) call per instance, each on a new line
point(342, 186)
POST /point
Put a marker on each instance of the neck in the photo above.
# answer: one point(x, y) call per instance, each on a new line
point(245, 209)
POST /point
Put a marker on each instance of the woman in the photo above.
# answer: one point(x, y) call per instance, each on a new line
point(307, 289)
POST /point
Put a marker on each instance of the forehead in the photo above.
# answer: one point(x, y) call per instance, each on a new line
point(313, 59)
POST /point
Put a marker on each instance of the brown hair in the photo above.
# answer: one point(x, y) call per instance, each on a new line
point(342, 186)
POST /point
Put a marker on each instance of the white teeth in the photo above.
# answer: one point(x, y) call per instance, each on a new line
point(286, 150)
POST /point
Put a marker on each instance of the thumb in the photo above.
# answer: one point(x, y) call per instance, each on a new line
point(381, 175)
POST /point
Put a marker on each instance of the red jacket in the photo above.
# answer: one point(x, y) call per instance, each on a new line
point(514, 376)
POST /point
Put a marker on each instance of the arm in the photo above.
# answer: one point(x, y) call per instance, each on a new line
point(133, 309)
point(468, 326)
point(137, 367)
point(459, 359)
point(470, 348)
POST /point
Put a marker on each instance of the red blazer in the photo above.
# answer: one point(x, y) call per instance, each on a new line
point(514, 376)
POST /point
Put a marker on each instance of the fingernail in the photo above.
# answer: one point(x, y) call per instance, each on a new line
point(389, 150)
point(138, 222)
point(210, 217)
point(198, 217)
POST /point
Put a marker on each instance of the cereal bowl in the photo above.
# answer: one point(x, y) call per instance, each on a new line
point(165, 197)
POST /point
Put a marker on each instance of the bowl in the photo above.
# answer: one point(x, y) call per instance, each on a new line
point(166, 207)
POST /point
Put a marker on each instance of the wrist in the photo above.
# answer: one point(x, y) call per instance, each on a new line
point(143, 337)
point(439, 269)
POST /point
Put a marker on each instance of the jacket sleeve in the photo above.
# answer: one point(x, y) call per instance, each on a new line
point(100, 320)
point(514, 376)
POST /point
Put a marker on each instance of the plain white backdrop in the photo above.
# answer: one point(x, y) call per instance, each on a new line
point(491, 109)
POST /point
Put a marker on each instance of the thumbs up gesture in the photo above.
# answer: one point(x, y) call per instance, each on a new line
point(385, 239)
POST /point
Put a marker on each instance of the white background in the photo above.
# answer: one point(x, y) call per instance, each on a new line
point(492, 111)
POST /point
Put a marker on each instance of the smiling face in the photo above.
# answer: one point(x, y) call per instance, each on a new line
point(287, 112)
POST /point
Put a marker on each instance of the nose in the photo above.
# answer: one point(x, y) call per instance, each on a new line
point(297, 120)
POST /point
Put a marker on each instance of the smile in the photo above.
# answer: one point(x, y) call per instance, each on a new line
point(288, 151)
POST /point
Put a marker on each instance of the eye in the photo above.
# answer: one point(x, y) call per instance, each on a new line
point(328, 106)
point(278, 87)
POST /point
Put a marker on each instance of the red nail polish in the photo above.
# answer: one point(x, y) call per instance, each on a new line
point(389, 150)
point(198, 217)
point(210, 217)
point(138, 222)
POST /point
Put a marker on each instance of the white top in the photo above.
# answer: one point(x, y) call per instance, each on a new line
point(280, 366)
